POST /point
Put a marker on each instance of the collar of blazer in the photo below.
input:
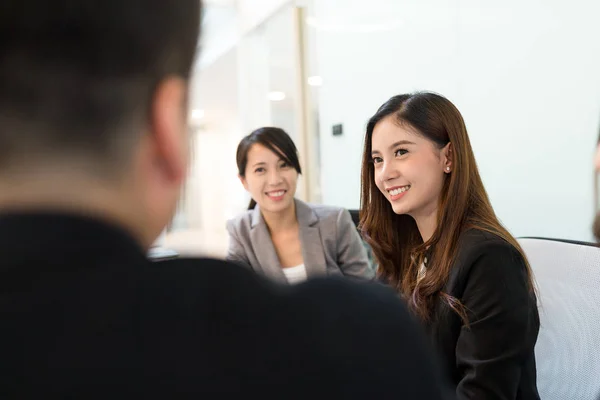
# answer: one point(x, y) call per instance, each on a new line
point(313, 253)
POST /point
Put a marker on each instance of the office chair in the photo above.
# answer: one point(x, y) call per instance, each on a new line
point(356, 219)
point(355, 214)
point(567, 352)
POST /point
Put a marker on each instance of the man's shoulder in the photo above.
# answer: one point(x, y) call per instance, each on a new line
point(368, 307)
point(206, 274)
point(203, 277)
point(324, 310)
point(199, 266)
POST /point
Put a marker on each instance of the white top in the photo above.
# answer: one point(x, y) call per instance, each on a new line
point(295, 274)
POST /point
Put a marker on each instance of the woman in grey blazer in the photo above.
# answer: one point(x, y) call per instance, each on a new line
point(282, 237)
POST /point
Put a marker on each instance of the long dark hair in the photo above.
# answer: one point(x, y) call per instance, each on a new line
point(464, 204)
point(276, 140)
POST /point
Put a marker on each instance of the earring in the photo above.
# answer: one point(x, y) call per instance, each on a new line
point(448, 169)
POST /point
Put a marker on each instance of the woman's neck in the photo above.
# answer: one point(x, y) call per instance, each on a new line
point(282, 220)
point(426, 224)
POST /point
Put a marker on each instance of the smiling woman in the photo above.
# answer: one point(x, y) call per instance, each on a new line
point(280, 236)
point(438, 242)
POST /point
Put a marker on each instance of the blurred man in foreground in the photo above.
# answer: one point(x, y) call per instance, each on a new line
point(93, 154)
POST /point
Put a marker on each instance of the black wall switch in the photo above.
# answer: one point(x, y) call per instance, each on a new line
point(337, 130)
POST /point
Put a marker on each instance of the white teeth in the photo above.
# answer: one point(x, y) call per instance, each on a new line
point(397, 191)
point(277, 194)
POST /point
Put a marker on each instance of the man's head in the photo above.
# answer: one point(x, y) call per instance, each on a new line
point(93, 106)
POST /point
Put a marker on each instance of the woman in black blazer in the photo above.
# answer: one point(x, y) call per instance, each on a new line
point(442, 247)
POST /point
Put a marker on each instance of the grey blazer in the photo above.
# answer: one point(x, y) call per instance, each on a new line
point(330, 243)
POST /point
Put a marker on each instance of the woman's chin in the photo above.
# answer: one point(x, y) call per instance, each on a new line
point(277, 206)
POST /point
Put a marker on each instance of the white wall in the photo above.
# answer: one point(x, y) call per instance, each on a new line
point(230, 86)
point(524, 73)
point(219, 33)
point(226, 23)
point(254, 12)
point(213, 193)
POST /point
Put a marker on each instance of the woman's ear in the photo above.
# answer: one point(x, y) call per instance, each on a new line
point(448, 157)
point(244, 182)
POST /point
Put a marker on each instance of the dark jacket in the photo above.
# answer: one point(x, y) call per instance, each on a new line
point(492, 358)
point(84, 314)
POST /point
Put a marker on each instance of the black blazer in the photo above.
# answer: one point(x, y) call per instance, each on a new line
point(493, 358)
point(84, 314)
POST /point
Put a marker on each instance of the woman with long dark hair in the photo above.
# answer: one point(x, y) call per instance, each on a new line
point(438, 242)
point(280, 236)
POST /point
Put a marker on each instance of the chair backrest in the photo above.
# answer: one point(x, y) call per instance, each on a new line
point(567, 352)
point(355, 214)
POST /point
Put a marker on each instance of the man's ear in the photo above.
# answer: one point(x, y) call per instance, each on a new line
point(168, 127)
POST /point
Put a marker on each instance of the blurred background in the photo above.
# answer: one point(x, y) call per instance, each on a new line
point(524, 73)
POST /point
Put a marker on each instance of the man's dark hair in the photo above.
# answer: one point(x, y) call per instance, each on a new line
point(77, 76)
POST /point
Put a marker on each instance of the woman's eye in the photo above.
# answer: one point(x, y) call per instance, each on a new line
point(259, 170)
point(377, 160)
point(400, 152)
